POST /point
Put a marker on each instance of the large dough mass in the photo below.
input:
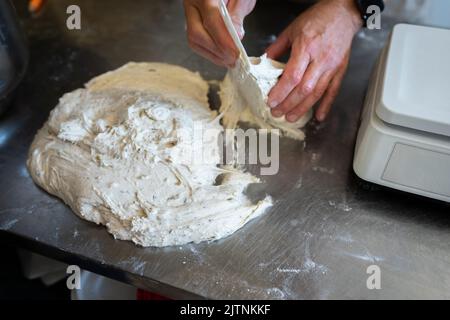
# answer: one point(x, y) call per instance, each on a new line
point(115, 153)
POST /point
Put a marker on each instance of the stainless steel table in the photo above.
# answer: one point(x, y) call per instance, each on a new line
point(326, 226)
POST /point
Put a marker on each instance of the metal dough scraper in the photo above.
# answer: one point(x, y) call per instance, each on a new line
point(232, 31)
point(243, 75)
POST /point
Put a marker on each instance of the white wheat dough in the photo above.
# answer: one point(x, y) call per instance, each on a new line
point(115, 150)
point(244, 97)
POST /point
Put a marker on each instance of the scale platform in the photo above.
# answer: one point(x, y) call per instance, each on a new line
point(404, 137)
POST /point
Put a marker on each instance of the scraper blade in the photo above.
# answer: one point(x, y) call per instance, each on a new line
point(232, 31)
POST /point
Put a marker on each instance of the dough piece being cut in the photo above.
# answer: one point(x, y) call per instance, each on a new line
point(121, 152)
point(244, 97)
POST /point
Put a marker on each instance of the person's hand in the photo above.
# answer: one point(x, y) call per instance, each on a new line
point(207, 33)
point(320, 40)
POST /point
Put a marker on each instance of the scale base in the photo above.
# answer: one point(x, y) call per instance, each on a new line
point(400, 157)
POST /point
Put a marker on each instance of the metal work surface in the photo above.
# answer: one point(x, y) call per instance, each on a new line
point(326, 227)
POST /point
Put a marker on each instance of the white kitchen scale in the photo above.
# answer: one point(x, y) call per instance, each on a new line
point(404, 138)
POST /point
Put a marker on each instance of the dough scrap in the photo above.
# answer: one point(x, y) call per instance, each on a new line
point(244, 97)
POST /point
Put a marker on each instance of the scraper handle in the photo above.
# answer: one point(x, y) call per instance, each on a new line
point(232, 31)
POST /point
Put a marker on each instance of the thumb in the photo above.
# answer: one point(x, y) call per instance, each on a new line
point(239, 26)
point(238, 10)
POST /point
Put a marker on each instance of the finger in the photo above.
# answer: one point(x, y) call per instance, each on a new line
point(291, 77)
point(306, 104)
point(197, 35)
point(330, 95)
point(208, 55)
point(280, 46)
point(238, 10)
point(299, 93)
point(216, 28)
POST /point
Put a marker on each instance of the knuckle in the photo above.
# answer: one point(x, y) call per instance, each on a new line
point(318, 93)
point(312, 45)
point(306, 89)
point(212, 3)
point(295, 77)
point(194, 38)
point(208, 4)
point(209, 7)
point(307, 37)
point(333, 94)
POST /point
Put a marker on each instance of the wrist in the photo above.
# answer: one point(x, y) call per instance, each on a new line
point(353, 11)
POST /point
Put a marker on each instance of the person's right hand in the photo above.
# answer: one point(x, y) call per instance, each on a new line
point(207, 33)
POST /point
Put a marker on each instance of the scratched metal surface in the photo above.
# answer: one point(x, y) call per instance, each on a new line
point(326, 226)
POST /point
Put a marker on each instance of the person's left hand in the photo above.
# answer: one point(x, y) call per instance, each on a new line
point(320, 40)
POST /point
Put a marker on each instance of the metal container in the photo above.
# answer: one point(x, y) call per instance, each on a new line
point(13, 53)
